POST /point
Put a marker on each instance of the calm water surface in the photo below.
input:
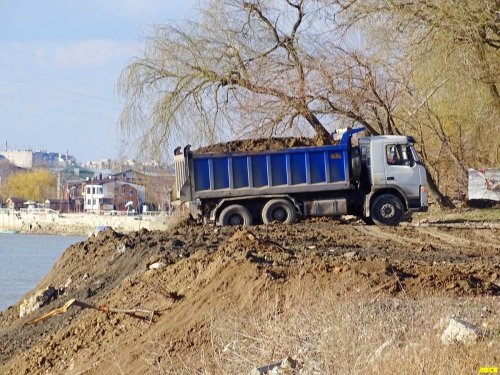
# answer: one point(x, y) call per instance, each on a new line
point(24, 260)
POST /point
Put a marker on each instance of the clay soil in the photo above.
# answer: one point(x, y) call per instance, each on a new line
point(261, 144)
point(209, 270)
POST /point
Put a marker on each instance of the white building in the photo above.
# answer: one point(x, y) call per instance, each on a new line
point(94, 197)
point(22, 159)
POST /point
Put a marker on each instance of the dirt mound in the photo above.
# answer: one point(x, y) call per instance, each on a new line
point(200, 272)
point(259, 144)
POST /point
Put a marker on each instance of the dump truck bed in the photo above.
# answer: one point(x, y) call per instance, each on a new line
point(287, 171)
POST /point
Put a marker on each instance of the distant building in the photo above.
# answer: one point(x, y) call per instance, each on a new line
point(91, 191)
point(60, 205)
point(22, 159)
point(76, 173)
point(14, 203)
point(30, 159)
point(100, 164)
point(130, 175)
point(108, 195)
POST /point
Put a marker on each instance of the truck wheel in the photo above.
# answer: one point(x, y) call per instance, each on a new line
point(235, 214)
point(280, 210)
point(387, 209)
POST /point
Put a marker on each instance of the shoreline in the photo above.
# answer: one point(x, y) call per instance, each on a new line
point(49, 232)
point(78, 224)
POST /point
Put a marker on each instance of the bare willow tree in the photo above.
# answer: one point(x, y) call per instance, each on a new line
point(450, 53)
point(255, 68)
point(470, 28)
point(275, 67)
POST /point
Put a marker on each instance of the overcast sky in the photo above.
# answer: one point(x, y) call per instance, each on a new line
point(59, 62)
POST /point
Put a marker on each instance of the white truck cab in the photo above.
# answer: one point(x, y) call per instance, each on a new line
point(394, 178)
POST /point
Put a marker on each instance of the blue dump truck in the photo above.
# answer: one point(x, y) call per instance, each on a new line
point(379, 179)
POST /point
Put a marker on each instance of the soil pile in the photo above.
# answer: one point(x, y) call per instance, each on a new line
point(191, 273)
point(260, 144)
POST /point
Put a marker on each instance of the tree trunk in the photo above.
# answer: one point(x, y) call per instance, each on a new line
point(443, 200)
point(488, 77)
point(322, 135)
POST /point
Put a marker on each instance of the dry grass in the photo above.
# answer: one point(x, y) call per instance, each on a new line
point(347, 334)
point(437, 215)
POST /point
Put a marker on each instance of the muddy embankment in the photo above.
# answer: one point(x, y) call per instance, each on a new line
point(187, 276)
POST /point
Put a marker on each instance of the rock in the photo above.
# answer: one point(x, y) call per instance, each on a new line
point(460, 331)
point(41, 360)
point(451, 286)
point(288, 363)
point(177, 243)
point(37, 300)
point(68, 282)
point(348, 218)
point(276, 368)
point(121, 248)
point(156, 265)
point(350, 254)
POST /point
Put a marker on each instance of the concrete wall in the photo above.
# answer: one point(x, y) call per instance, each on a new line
point(78, 224)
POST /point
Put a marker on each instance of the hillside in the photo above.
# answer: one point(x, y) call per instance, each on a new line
point(225, 300)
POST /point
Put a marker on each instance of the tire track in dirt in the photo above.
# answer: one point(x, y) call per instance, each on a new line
point(379, 232)
point(490, 236)
point(454, 240)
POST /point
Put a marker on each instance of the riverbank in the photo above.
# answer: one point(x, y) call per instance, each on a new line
point(77, 224)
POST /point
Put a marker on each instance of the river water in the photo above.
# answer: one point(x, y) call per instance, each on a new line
point(24, 260)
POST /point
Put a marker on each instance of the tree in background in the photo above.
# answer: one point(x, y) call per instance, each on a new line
point(158, 191)
point(263, 68)
point(449, 52)
point(36, 185)
point(250, 68)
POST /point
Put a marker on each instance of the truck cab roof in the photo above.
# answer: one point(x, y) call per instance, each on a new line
point(399, 139)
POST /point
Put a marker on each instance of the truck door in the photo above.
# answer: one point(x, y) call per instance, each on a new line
point(401, 169)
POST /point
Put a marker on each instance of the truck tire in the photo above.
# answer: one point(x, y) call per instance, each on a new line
point(280, 210)
point(235, 214)
point(387, 209)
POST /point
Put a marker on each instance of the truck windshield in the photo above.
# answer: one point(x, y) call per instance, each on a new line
point(414, 154)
